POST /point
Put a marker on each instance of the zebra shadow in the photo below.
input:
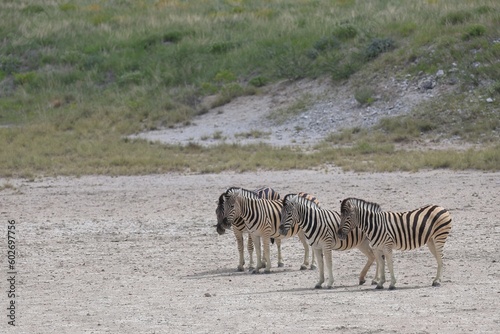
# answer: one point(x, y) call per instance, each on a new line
point(217, 272)
point(231, 272)
point(355, 288)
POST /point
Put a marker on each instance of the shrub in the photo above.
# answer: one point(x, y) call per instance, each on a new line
point(258, 81)
point(378, 46)
point(364, 96)
point(472, 31)
point(345, 33)
point(326, 43)
point(225, 76)
point(172, 37)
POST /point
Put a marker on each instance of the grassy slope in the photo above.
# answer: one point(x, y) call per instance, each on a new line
point(76, 77)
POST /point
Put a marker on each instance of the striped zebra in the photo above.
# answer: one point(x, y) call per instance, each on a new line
point(262, 218)
point(320, 227)
point(239, 228)
point(386, 231)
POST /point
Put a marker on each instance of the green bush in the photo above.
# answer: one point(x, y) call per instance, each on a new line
point(378, 46)
point(345, 32)
point(364, 96)
point(259, 81)
point(326, 43)
point(473, 31)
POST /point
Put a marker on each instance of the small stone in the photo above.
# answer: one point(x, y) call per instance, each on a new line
point(427, 84)
point(440, 73)
point(489, 100)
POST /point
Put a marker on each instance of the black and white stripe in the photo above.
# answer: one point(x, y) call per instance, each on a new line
point(239, 228)
point(262, 218)
point(320, 228)
point(386, 231)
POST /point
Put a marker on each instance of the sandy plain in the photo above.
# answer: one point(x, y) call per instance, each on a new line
point(139, 254)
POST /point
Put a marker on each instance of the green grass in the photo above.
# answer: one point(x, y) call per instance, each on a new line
point(78, 77)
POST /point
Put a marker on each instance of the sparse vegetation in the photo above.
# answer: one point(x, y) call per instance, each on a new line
point(364, 95)
point(78, 77)
point(300, 105)
point(253, 134)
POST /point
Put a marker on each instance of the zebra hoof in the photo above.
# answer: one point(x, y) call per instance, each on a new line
point(303, 267)
point(281, 264)
point(255, 271)
point(392, 287)
point(251, 268)
point(362, 281)
point(267, 271)
point(240, 268)
point(436, 284)
point(313, 267)
point(374, 282)
point(379, 287)
point(329, 287)
point(318, 286)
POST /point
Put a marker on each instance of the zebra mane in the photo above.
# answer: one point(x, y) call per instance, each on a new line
point(221, 200)
point(359, 203)
point(302, 198)
point(241, 192)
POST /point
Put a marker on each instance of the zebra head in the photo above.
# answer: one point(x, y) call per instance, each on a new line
point(289, 214)
point(352, 210)
point(348, 218)
point(219, 212)
point(230, 206)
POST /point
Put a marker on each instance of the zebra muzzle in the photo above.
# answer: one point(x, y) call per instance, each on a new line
point(225, 223)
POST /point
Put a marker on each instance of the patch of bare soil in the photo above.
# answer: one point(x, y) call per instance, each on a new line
point(331, 108)
point(140, 254)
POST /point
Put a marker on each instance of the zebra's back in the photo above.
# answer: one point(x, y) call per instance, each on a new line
point(413, 229)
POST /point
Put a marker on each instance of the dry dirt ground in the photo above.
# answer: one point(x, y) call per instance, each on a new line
point(140, 254)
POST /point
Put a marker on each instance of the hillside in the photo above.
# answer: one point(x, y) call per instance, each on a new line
point(81, 83)
point(305, 113)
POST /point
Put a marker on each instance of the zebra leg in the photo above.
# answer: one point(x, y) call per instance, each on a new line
point(267, 254)
point(313, 259)
point(365, 248)
point(328, 259)
point(302, 239)
point(239, 242)
point(280, 258)
point(380, 268)
point(438, 254)
point(390, 265)
point(250, 252)
point(376, 279)
point(321, 266)
point(256, 242)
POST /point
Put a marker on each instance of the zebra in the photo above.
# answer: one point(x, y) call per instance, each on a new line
point(262, 218)
point(239, 228)
point(320, 227)
point(386, 231)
